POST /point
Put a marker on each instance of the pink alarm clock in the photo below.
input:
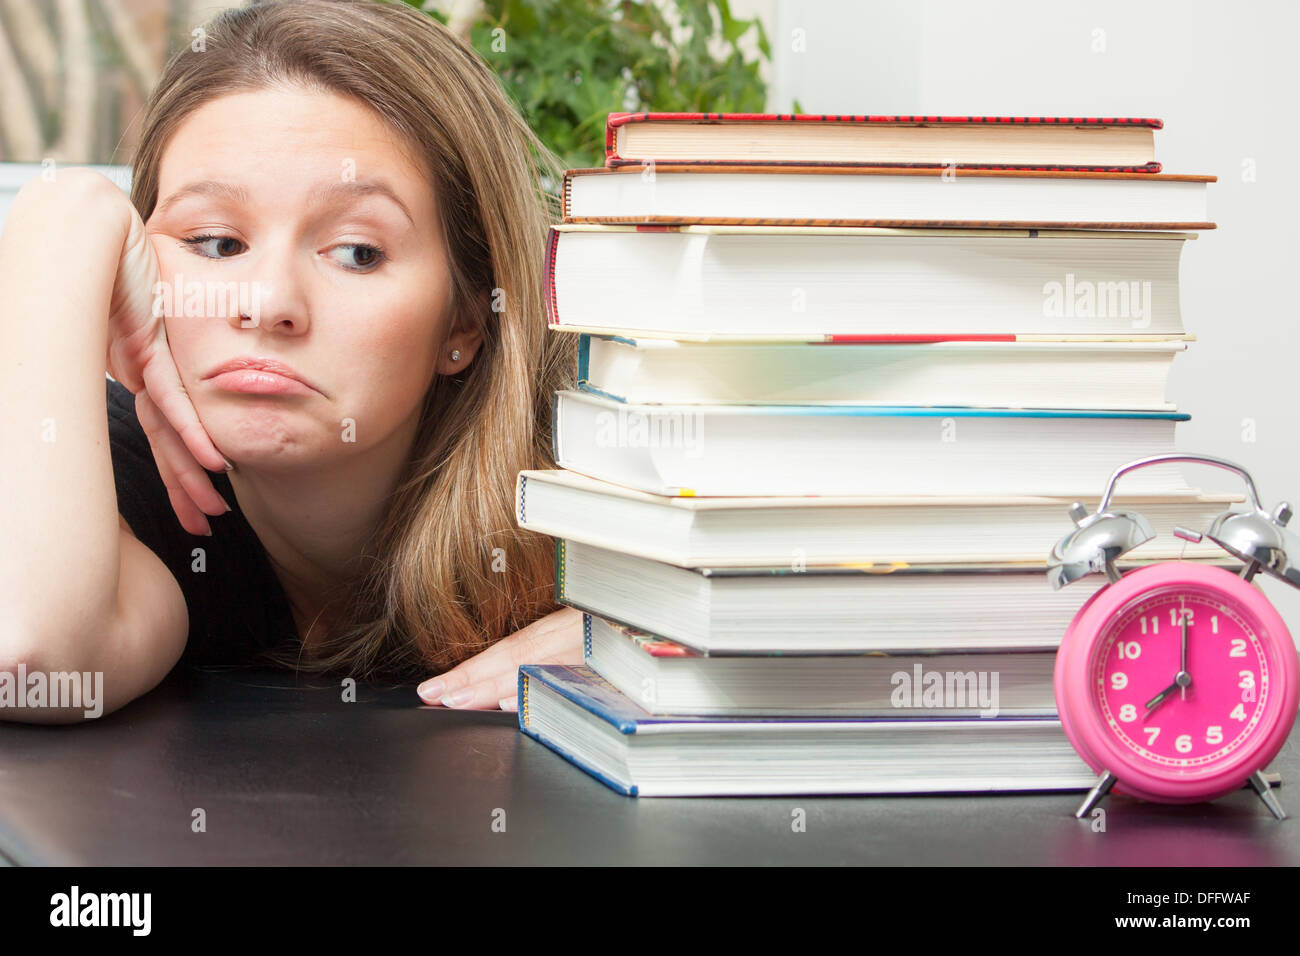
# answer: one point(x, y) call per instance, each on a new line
point(1177, 682)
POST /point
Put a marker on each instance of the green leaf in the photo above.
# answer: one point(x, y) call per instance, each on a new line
point(612, 44)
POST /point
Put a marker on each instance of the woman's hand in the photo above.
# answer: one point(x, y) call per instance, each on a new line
point(139, 358)
point(490, 680)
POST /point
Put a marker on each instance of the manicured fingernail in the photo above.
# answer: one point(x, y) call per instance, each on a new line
point(431, 690)
point(458, 699)
point(230, 465)
point(208, 533)
point(225, 502)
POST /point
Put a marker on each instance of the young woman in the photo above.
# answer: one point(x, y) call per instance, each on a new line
point(326, 290)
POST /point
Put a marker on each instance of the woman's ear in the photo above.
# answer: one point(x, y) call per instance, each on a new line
point(461, 344)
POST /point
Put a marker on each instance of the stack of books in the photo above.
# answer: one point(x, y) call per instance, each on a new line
point(840, 379)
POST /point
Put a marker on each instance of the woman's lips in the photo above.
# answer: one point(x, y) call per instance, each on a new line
point(259, 382)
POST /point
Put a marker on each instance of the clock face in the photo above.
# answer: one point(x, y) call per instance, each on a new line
point(1180, 679)
point(1177, 720)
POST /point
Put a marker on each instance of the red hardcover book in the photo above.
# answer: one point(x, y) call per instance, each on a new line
point(1091, 144)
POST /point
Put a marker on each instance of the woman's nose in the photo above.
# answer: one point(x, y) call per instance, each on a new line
point(273, 293)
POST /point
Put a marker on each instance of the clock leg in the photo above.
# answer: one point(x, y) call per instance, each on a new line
point(1248, 571)
point(1272, 779)
point(1264, 788)
point(1099, 790)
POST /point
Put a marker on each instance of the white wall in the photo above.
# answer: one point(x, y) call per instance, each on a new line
point(1221, 76)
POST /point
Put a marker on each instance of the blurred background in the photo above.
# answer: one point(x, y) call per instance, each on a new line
point(74, 75)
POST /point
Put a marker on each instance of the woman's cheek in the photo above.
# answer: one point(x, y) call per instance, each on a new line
point(403, 339)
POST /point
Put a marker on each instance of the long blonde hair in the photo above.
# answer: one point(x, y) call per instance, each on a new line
point(448, 571)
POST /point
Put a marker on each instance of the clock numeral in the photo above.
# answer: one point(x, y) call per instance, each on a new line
point(1152, 733)
point(1247, 680)
point(1214, 735)
point(1214, 624)
point(1238, 712)
point(1238, 647)
point(1155, 624)
point(1131, 649)
point(1118, 680)
point(1173, 615)
point(1128, 713)
point(1183, 743)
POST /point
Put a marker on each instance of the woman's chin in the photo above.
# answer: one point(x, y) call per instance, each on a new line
point(252, 445)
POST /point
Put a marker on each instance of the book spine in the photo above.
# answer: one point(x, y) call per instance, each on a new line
point(584, 350)
point(611, 138)
point(559, 570)
point(548, 278)
point(523, 701)
point(555, 429)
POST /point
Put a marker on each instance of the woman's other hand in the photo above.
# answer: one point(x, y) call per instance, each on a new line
point(139, 358)
point(489, 680)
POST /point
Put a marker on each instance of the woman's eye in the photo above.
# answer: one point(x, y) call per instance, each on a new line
point(222, 247)
point(359, 257)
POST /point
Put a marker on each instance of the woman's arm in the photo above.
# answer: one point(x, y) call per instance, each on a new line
point(59, 554)
point(78, 592)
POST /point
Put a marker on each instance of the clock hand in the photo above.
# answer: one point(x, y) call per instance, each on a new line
point(1183, 679)
point(1182, 669)
point(1157, 700)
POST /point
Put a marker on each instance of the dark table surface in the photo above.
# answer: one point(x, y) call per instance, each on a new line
point(286, 772)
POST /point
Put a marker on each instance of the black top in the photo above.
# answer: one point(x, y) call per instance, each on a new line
point(237, 606)
point(290, 773)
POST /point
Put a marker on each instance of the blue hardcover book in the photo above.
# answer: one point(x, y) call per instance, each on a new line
point(579, 715)
point(973, 371)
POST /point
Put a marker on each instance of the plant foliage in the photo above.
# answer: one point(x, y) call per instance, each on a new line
point(569, 63)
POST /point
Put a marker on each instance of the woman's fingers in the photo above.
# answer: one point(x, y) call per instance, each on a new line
point(163, 383)
point(489, 680)
point(188, 485)
point(480, 681)
point(485, 694)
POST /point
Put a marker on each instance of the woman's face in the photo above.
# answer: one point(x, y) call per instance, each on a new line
point(294, 226)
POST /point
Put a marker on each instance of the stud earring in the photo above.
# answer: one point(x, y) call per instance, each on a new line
point(455, 355)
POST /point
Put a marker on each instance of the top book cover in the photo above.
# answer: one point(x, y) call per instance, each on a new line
point(1093, 144)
